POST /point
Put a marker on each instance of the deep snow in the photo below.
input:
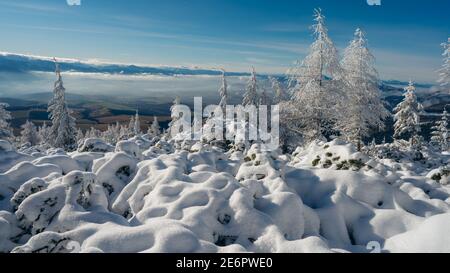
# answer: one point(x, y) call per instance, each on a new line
point(158, 196)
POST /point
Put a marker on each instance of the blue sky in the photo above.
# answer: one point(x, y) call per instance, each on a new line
point(270, 35)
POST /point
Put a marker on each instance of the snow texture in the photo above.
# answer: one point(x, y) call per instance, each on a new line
point(144, 196)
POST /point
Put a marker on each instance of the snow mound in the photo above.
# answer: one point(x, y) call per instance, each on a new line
point(336, 155)
point(66, 163)
point(9, 157)
point(441, 175)
point(131, 148)
point(432, 236)
point(95, 145)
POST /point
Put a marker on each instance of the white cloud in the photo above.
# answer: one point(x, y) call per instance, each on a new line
point(17, 85)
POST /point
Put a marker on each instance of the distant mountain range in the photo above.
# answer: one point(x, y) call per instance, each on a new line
point(10, 62)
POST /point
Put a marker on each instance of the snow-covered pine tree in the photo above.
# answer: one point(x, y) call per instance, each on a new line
point(371, 149)
point(373, 144)
point(63, 130)
point(5, 117)
point(407, 116)
point(137, 124)
point(44, 133)
point(290, 134)
point(173, 115)
point(109, 135)
point(444, 72)
point(439, 135)
point(93, 133)
point(90, 133)
point(223, 92)
point(124, 132)
point(80, 135)
point(114, 133)
point(264, 99)
point(131, 124)
point(315, 86)
point(87, 133)
point(280, 94)
point(154, 129)
point(364, 109)
point(29, 134)
point(116, 128)
point(251, 91)
point(214, 119)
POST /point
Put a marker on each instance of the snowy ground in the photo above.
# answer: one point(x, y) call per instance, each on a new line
point(156, 196)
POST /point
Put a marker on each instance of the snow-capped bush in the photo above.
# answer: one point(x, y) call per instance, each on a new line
point(441, 175)
point(8, 231)
point(142, 142)
point(39, 210)
point(31, 187)
point(95, 145)
point(337, 155)
point(131, 148)
point(114, 172)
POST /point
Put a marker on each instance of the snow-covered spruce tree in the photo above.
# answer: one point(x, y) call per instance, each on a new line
point(280, 94)
point(407, 116)
point(116, 131)
point(315, 85)
point(155, 129)
point(173, 115)
point(137, 124)
point(212, 124)
point(213, 119)
point(29, 134)
point(113, 134)
point(291, 127)
point(251, 91)
point(264, 99)
point(290, 134)
point(223, 92)
point(44, 134)
point(63, 130)
point(131, 124)
point(363, 107)
point(96, 133)
point(444, 72)
point(439, 135)
point(80, 136)
point(5, 117)
point(124, 132)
